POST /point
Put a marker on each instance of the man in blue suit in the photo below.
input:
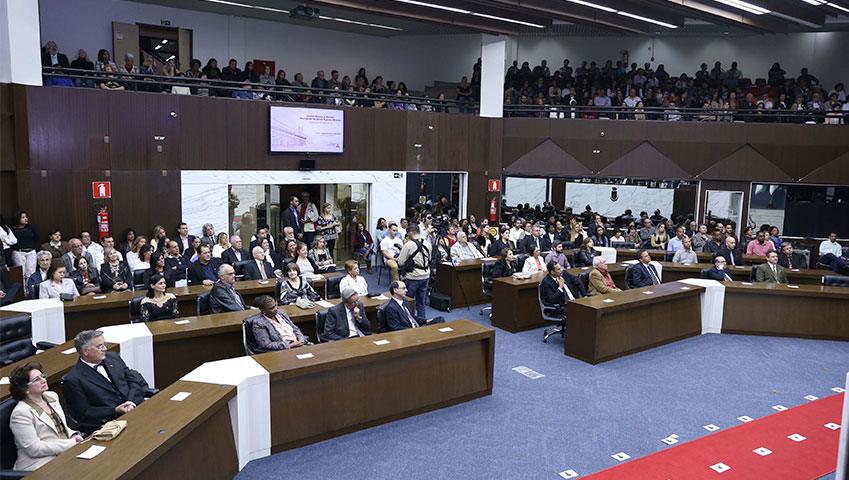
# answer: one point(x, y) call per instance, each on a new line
point(398, 315)
point(718, 272)
point(643, 273)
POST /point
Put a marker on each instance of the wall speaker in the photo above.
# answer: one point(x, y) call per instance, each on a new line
point(307, 164)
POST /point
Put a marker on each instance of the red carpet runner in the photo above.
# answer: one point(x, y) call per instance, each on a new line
point(808, 459)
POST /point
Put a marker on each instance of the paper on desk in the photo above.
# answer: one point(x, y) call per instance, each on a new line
point(381, 342)
point(445, 329)
point(324, 303)
point(4, 381)
point(608, 300)
point(181, 322)
point(745, 283)
point(180, 396)
point(181, 283)
point(792, 286)
point(381, 297)
point(99, 297)
point(304, 356)
point(69, 351)
point(647, 292)
point(91, 452)
point(263, 282)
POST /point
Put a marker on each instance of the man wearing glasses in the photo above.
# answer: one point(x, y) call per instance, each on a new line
point(718, 272)
point(223, 297)
point(100, 387)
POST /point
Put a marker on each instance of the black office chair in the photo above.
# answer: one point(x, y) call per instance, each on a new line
point(585, 280)
point(239, 267)
point(381, 264)
point(138, 279)
point(248, 339)
point(835, 280)
point(754, 275)
point(629, 277)
point(135, 308)
point(16, 338)
point(381, 319)
point(331, 287)
point(520, 260)
point(320, 320)
point(703, 273)
point(549, 317)
point(626, 245)
point(8, 450)
point(203, 303)
point(486, 284)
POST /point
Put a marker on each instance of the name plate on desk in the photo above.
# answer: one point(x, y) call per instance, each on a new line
point(91, 452)
point(381, 342)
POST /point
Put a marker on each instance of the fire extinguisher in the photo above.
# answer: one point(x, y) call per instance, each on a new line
point(493, 211)
point(102, 224)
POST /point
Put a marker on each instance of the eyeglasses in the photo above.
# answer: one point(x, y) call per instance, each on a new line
point(102, 346)
point(38, 379)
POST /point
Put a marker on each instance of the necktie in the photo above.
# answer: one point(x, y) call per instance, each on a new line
point(727, 278)
point(731, 254)
point(409, 315)
point(536, 240)
point(236, 298)
point(789, 262)
point(354, 322)
point(100, 368)
point(654, 279)
point(297, 217)
point(262, 270)
point(774, 272)
point(568, 292)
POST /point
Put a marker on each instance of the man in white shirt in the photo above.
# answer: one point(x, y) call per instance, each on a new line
point(402, 228)
point(390, 248)
point(831, 254)
point(93, 249)
point(463, 250)
point(517, 233)
point(632, 99)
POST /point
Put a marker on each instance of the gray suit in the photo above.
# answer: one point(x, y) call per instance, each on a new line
point(266, 336)
point(764, 274)
point(224, 298)
point(68, 260)
point(336, 325)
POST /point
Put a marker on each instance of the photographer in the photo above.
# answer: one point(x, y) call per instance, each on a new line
point(390, 248)
point(415, 265)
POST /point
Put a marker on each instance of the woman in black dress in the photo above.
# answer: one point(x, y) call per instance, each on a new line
point(584, 256)
point(505, 266)
point(158, 304)
point(115, 275)
point(85, 277)
point(294, 286)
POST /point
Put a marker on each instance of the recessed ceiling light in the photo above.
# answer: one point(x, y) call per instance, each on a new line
point(593, 5)
point(469, 12)
point(244, 5)
point(510, 20)
point(834, 5)
point(164, 41)
point(157, 47)
point(646, 19)
point(745, 6)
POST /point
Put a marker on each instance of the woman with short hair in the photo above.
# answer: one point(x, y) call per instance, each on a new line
point(353, 279)
point(294, 286)
point(56, 284)
point(115, 275)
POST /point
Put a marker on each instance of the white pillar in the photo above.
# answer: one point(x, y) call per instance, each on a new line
point(493, 53)
point(20, 42)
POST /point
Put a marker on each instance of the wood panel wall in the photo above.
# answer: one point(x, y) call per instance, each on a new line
point(55, 141)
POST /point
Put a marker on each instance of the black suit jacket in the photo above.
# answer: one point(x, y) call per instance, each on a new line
point(92, 399)
point(221, 300)
point(552, 296)
point(60, 57)
point(288, 218)
point(252, 270)
point(183, 250)
point(229, 256)
point(738, 257)
point(178, 267)
point(196, 273)
point(396, 317)
point(798, 260)
point(108, 281)
point(717, 274)
point(336, 325)
point(528, 245)
point(496, 247)
point(255, 243)
point(640, 277)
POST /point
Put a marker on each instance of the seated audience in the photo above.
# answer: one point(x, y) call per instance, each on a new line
point(583, 256)
point(600, 238)
point(534, 263)
point(685, 255)
point(175, 263)
point(397, 313)
point(190, 255)
point(390, 248)
point(222, 243)
point(775, 238)
point(718, 271)
point(55, 245)
point(646, 233)
point(272, 329)
point(294, 286)
point(643, 273)
point(115, 275)
point(463, 250)
point(158, 304)
point(760, 246)
point(347, 319)
point(37, 422)
point(659, 238)
point(353, 280)
point(505, 266)
point(534, 240)
point(556, 290)
point(100, 387)
point(92, 248)
point(259, 269)
point(700, 238)
point(56, 283)
point(831, 254)
point(730, 252)
point(305, 263)
point(556, 255)
point(235, 253)
point(158, 267)
point(204, 270)
point(502, 242)
point(223, 297)
point(321, 255)
point(133, 256)
point(771, 271)
point(600, 279)
point(76, 251)
point(717, 243)
point(40, 275)
point(618, 238)
point(85, 277)
point(363, 244)
point(790, 259)
point(675, 243)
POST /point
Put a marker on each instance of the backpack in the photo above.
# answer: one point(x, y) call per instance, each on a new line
point(410, 264)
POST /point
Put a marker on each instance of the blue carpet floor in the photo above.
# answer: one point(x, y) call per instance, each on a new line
point(577, 415)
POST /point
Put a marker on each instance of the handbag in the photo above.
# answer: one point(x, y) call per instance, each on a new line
point(109, 430)
point(304, 303)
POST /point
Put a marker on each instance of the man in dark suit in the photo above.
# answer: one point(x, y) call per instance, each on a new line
point(100, 387)
point(174, 262)
point(398, 315)
point(643, 273)
point(771, 271)
point(204, 271)
point(184, 240)
point(259, 269)
point(557, 289)
point(235, 253)
point(291, 218)
point(262, 232)
point(347, 319)
point(76, 251)
point(52, 58)
point(223, 297)
point(730, 252)
point(718, 272)
point(535, 240)
point(790, 259)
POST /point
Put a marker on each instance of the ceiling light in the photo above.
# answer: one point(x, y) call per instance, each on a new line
point(815, 2)
point(157, 47)
point(469, 12)
point(510, 20)
point(164, 41)
point(646, 19)
point(355, 22)
point(433, 5)
point(172, 57)
point(745, 6)
point(834, 5)
point(593, 5)
point(244, 5)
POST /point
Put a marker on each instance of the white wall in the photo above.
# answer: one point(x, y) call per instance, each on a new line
point(20, 60)
point(636, 198)
point(415, 59)
point(824, 53)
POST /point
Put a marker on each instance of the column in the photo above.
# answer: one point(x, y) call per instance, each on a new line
point(493, 53)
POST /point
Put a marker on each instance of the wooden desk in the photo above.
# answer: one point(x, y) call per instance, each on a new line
point(354, 384)
point(673, 272)
point(55, 364)
point(464, 277)
point(515, 303)
point(598, 331)
point(87, 313)
point(623, 254)
point(192, 439)
point(810, 311)
point(16, 275)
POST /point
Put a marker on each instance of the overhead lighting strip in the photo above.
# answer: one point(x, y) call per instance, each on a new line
point(621, 12)
point(469, 12)
point(321, 17)
point(745, 6)
point(819, 3)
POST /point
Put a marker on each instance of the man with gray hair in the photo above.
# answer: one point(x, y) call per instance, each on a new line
point(223, 297)
point(208, 236)
point(463, 250)
point(236, 253)
point(347, 319)
point(76, 251)
point(100, 387)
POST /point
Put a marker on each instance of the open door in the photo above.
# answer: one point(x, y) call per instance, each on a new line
point(125, 39)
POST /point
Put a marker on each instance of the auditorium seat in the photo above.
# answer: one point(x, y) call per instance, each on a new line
point(135, 308)
point(239, 267)
point(703, 273)
point(8, 450)
point(556, 319)
point(248, 339)
point(835, 280)
point(331, 287)
point(486, 284)
point(16, 335)
point(320, 319)
point(138, 279)
point(203, 303)
point(381, 320)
